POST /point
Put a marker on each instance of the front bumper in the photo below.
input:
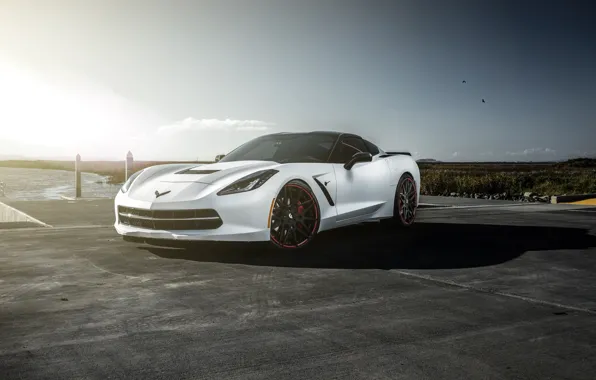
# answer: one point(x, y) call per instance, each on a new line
point(244, 217)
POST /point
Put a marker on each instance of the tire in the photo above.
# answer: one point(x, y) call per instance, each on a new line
point(406, 202)
point(296, 216)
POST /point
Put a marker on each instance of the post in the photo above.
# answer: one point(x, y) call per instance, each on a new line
point(128, 166)
point(2, 187)
point(78, 176)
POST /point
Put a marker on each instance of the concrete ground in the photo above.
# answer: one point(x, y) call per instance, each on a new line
point(60, 213)
point(502, 291)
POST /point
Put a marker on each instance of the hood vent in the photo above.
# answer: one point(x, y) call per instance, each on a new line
point(197, 171)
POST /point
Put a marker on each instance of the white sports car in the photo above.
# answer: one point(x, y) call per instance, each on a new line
point(283, 188)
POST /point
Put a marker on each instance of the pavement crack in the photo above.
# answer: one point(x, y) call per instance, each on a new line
point(108, 271)
point(494, 291)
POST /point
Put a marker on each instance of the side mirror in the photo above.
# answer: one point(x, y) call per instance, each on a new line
point(219, 157)
point(358, 157)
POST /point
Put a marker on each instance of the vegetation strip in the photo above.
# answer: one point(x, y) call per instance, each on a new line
point(519, 181)
point(531, 182)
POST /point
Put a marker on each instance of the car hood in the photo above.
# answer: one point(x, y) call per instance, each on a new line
point(212, 173)
point(181, 182)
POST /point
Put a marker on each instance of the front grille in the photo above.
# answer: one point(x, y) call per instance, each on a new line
point(203, 219)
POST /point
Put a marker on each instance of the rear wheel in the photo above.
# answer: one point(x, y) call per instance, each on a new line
point(295, 216)
point(406, 201)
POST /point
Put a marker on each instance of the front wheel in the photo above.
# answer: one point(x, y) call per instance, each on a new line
point(295, 217)
point(406, 201)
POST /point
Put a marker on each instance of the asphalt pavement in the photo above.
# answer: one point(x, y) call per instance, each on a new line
point(492, 291)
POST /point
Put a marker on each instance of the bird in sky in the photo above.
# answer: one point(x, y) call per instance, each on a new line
point(483, 101)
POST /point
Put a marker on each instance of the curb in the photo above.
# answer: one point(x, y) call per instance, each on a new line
point(74, 199)
point(570, 198)
point(429, 205)
point(10, 214)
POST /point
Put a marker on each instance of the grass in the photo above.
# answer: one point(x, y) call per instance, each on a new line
point(571, 177)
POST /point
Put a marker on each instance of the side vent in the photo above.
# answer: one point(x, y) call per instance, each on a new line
point(325, 192)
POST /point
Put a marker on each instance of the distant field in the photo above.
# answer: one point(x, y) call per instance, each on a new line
point(112, 169)
point(489, 166)
point(576, 176)
point(580, 163)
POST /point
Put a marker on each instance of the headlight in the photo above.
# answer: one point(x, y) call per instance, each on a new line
point(248, 183)
point(129, 181)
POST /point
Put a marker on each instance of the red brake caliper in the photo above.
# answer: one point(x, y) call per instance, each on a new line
point(300, 211)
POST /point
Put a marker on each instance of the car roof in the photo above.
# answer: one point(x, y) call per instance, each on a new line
point(324, 133)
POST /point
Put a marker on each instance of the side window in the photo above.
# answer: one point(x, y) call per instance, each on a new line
point(346, 148)
point(372, 148)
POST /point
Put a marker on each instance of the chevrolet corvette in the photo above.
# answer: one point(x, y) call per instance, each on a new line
point(283, 188)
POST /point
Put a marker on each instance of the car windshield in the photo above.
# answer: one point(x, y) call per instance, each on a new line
point(288, 148)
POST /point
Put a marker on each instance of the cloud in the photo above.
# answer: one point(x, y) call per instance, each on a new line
point(192, 124)
point(252, 128)
point(455, 154)
point(532, 152)
point(583, 154)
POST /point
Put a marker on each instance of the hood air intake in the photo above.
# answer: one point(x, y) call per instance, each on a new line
point(197, 171)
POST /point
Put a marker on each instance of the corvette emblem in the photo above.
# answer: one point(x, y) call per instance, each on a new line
point(158, 194)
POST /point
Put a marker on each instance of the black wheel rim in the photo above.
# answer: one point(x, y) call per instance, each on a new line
point(407, 201)
point(295, 217)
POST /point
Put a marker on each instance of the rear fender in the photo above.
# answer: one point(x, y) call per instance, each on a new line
point(401, 164)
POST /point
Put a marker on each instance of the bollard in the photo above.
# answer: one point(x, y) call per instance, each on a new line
point(78, 176)
point(128, 165)
point(2, 187)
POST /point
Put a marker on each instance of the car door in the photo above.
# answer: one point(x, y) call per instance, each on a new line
point(362, 190)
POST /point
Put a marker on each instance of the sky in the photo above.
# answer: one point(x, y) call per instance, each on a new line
point(187, 80)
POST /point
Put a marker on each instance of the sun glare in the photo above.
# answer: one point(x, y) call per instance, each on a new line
point(52, 112)
point(36, 112)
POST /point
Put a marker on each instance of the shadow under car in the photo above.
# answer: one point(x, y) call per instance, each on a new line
point(374, 246)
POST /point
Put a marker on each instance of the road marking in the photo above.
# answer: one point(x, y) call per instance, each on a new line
point(79, 227)
point(33, 229)
point(26, 216)
point(504, 294)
